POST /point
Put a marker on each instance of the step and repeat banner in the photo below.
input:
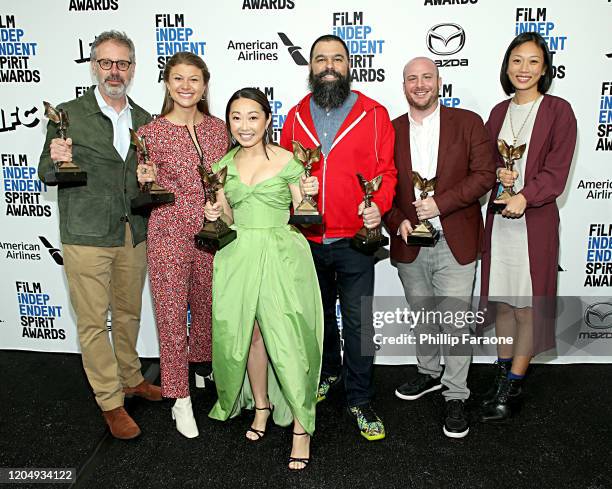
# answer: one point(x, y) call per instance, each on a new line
point(44, 55)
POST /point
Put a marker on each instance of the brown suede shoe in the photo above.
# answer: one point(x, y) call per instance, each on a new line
point(146, 390)
point(120, 423)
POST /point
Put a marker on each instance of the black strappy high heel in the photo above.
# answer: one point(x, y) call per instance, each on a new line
point(260, 433)
point(304, 461)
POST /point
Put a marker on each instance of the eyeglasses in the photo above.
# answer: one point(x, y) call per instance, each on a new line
point(107, 64)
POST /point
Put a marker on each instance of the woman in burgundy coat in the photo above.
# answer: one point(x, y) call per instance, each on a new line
point(520, 258)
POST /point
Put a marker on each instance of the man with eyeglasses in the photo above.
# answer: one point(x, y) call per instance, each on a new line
point(103, 242)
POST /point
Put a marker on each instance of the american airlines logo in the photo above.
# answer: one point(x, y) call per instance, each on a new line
point(294, 51)
point(445, 39)
point(53, 251)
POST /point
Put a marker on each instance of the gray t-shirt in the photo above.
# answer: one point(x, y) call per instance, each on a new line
point(327, 122)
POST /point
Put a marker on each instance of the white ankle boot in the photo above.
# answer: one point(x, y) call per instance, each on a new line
point(182, 413)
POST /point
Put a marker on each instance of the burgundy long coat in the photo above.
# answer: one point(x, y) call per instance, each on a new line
point(549, 158)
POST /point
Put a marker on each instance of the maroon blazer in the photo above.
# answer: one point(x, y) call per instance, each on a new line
point(549, 157)
point(465, 172)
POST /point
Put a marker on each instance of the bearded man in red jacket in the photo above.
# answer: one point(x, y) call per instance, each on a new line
point(356, 136)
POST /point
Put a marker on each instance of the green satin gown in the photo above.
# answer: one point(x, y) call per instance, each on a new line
point(266, 274)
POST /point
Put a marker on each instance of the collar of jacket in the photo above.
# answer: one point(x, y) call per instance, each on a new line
point(362, 106)
point(91, 107)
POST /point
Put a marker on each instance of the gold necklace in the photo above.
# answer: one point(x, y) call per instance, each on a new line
point(517, 134)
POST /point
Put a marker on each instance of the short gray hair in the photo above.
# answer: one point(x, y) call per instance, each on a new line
point(115, 36)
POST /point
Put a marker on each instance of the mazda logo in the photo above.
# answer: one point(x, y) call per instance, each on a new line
point(599, 315)
point(445, 39)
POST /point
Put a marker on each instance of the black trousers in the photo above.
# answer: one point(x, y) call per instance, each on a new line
point(349, 274)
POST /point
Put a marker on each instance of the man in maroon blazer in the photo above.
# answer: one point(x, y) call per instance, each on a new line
point(453, 146)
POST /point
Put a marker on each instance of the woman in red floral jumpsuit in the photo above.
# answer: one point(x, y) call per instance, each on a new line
point(183, 137)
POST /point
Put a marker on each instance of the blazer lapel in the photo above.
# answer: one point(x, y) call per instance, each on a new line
point(404, 154)
point(138, 119)
point(498, 118)
point(496, 121)
point(541, 127)
point(446, 138)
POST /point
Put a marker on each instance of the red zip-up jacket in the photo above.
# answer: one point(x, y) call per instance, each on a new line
point(363, 144)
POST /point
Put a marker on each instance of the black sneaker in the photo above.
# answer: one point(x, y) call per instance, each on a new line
point(456, 424)
point(420, 385)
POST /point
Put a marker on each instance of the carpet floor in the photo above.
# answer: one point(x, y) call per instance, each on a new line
point(560, 439)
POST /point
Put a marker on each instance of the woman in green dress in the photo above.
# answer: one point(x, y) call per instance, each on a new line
point(267, 312)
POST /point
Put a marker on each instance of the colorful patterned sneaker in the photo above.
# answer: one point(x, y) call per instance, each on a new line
point(326, 384)
point(369, 423)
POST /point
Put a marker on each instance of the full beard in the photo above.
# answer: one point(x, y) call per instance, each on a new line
point(118, 91)
point(114, 92)
point(329, 94)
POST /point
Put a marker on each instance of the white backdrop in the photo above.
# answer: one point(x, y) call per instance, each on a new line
point(44, 46)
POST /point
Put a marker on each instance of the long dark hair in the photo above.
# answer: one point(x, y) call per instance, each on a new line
point(186, 58)
point(545, 80)
point(258, 96)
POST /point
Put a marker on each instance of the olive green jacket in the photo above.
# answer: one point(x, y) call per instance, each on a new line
point(94, 214)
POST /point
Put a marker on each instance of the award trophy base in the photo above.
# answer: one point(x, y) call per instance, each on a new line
point(498, 207)
point(147, 201)
point(305, 218)
point(368, 241)
point(306, 213)
point(423, 235)
point(214, 236)
point(67, 173)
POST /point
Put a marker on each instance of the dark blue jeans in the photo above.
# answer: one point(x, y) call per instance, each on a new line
point(348, 274)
